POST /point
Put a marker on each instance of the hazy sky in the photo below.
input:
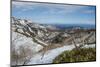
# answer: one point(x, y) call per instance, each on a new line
point(54, 13)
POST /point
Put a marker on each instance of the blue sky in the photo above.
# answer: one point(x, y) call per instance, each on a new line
point(54, 13)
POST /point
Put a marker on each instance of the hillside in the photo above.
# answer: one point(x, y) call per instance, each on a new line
point(47, 38)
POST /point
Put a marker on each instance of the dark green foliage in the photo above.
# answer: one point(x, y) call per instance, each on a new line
point(83, 54)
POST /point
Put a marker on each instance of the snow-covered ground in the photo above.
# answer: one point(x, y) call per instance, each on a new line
point(51, 54)
point(18, 40)
point(48, 56)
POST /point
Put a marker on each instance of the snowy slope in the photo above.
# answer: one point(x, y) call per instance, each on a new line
point(19, 40)
point(51, 54)
point(36, 34)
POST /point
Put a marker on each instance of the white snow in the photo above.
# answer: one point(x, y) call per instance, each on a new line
point(51, 54)
point(88, 46)
point(18, 40)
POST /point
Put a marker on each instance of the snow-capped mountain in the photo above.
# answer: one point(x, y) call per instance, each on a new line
point(48, 38)
point(44, 34)
point(38, 31)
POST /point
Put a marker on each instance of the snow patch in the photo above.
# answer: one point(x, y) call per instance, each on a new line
point(50, 55)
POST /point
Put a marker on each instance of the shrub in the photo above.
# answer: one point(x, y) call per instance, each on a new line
point(83, 54)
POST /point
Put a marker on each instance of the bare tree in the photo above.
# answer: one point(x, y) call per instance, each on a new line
point(14, 56)
point(25, 54)
point(20, 55)
point(14, 50)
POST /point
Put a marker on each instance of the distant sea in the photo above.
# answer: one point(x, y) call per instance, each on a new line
point(69, 26)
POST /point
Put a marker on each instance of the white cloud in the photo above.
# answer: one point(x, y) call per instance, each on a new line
point(23, 6)
point(52, 8)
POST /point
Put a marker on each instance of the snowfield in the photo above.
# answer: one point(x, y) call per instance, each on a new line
point(52, 54)
point(19, 40)
point(48, 56)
